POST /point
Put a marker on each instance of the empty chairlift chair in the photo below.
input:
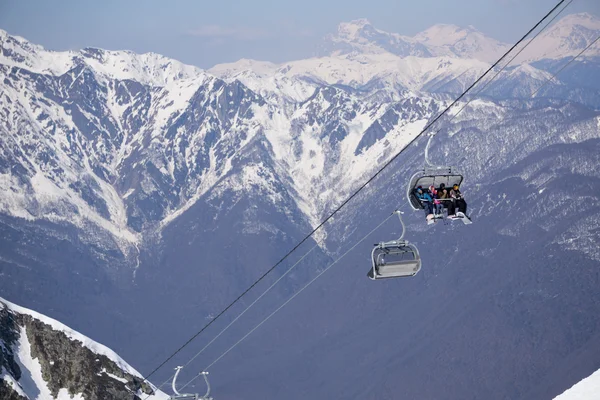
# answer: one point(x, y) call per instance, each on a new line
point(395, 259)
point(190, 396)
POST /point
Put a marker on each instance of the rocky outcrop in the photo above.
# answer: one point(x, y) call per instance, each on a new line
point(66, 363)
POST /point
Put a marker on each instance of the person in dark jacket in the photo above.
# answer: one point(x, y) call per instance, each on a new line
point(459, 201)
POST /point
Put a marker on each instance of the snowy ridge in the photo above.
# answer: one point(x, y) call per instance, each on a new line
point(149, 68)
point(358, 70)
point(74, 335)
point(451, 40)
point(32, 384)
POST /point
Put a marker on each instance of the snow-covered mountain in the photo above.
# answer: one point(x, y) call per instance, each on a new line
point(566, 38)
point(178, 132)
point(563, 39)
point(40, 358)
point(439, 40)
point(148, 194)
point(443, 58)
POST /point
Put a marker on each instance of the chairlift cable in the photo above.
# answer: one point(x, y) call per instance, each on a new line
point(293, 297)
point(244, 311)
point(354, 194)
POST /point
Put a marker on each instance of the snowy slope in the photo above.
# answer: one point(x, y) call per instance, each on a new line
point(25, 364)
point(587, 389)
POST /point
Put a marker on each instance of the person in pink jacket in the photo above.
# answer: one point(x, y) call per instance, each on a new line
point(437, 204)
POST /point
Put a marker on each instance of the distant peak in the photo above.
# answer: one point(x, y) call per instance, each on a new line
point(358, 22)
point(351, 30)
point(585, 19)
point(4, 34)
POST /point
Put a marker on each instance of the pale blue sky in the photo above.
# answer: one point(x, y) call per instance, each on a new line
point(205, 33)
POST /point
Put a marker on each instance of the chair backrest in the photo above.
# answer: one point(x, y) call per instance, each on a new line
point(399, 269)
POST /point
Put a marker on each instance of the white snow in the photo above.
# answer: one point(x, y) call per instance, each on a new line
point(31, 380)
point(13, 201)
point(104, 371)
point(63, 394)
point(351, 30)
point(586, 389)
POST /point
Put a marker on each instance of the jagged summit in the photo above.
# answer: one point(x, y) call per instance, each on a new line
point(150, 68)
point(362, 37)
point(352, 30)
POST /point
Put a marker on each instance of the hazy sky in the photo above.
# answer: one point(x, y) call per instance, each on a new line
point(207, 32)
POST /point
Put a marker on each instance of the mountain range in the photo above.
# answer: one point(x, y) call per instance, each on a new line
point(148, 194)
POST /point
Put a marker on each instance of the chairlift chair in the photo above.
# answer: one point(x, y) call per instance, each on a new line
point(395, 259)
point(431, 175)
point(190, 396)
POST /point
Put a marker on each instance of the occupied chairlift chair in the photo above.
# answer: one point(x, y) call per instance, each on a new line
point(431, 175)
point(395, 259)
point(189, 396)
